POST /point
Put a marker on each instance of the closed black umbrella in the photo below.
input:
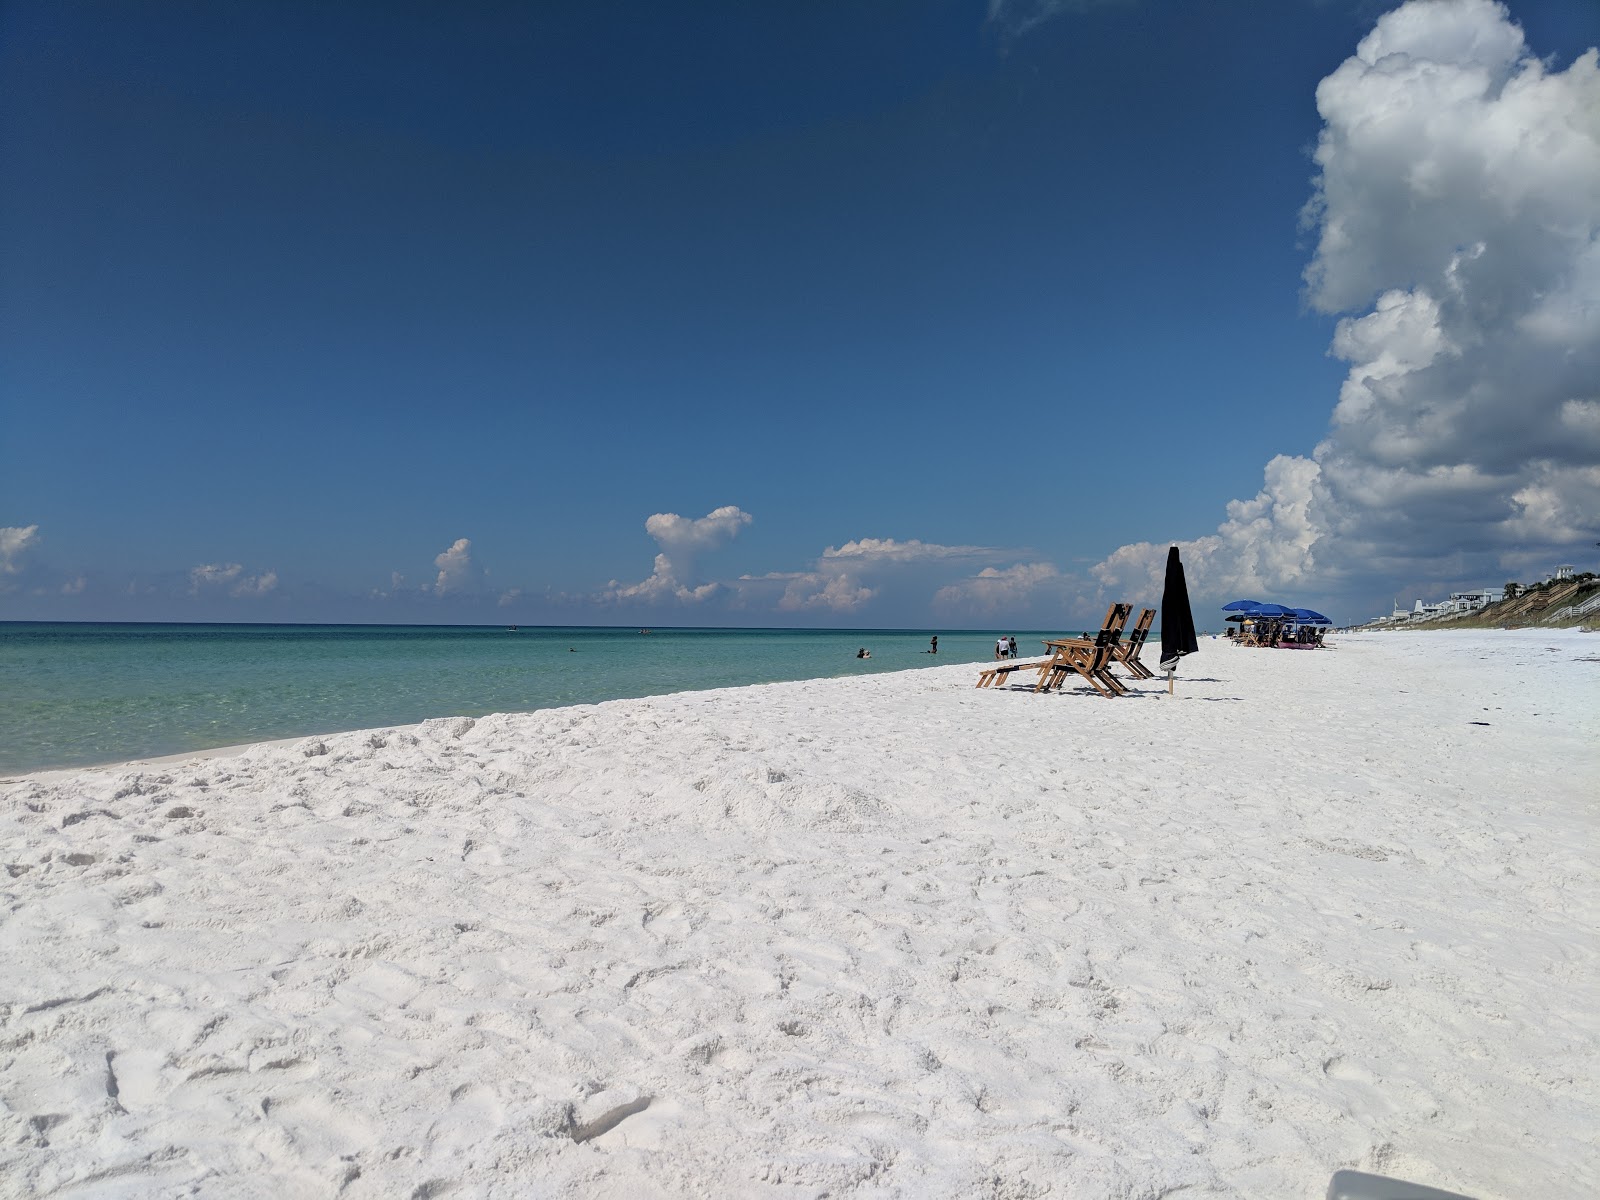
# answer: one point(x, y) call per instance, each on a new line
point(1177, 622)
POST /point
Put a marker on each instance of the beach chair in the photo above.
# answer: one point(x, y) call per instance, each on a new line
point(999, 673)
point(1127, 653)
point(996, 675)
point(1090, 658)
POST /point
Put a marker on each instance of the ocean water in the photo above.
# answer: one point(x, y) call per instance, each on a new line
point(80, 694)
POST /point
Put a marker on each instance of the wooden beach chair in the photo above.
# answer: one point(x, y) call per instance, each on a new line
point(996, 675)
point(1127, 653)
point(1090, 658)
point(1001, 671)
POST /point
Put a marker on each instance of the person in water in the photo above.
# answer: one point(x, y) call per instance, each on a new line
point(863, 653)
point(933, 644)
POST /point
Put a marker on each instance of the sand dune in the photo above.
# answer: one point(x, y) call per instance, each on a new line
point(866, 937)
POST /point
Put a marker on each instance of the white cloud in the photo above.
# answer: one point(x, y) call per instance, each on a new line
point(903, 574)
point(663, 584)
point(457, 572)
point(837, 592)
point(684, 536)
point(231, 578)
point(213, 574)
point(682, 541)
point(397, 584)
point(993, 589)
point(14, 541)
point(889, 550)
point(847, 577)
point(256, 585)
point(1458, 215)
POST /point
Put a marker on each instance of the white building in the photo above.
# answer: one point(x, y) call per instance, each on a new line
point(1459, 604)
point(1426, 612)
point(1465, 602)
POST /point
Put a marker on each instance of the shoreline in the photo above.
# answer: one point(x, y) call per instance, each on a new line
point(101, 697)
point(155, 760)
point(235, 749)
point(858, 935)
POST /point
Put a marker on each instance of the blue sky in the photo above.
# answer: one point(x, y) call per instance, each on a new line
point(933, 314)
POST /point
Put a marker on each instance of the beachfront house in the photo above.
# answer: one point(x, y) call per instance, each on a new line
point(1465, 602)
point(1426, 612)
point(1458, 605)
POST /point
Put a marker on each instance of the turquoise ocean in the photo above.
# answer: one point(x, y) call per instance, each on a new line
point(81, 694)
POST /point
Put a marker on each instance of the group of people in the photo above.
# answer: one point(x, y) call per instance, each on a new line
point(1005, 647)
point(1269, 631)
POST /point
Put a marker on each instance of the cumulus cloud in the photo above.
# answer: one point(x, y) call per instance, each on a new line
point(457, 572)
point(256, 585)
point(682, 540)
point(232, 579)
point(847, 577)
point(1265, 543)
point(888, 550)
point(835, 590)
point(995, 589)
point(15, 540)
point(683, 536)
point(1457, 212)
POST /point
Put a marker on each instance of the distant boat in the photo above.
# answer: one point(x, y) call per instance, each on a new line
point(647, 631)
point(511, 628)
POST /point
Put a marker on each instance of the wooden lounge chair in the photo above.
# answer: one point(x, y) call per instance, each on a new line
point(1127, 653)
point(1090, 658)
point(1110, 635)
point(996, 675)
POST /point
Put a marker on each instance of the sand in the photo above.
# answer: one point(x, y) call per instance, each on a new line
point(883, 936)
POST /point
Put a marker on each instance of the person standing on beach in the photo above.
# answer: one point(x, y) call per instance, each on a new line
point(1012, 646)
point(1000, 648)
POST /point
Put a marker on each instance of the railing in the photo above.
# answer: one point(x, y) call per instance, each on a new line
point(1569, 611)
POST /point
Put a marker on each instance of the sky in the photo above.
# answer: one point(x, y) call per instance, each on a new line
point(932, 315)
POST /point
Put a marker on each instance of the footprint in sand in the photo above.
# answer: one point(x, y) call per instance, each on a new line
point(1347, 1071)
point(319, 1127)
point(134, 1078)
point(474, 1114)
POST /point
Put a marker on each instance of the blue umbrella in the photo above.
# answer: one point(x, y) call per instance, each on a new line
point(1242, 606)
point(1310, 616)
point(1272, 610)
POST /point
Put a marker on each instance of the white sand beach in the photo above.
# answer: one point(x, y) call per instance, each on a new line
point(870, 937)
